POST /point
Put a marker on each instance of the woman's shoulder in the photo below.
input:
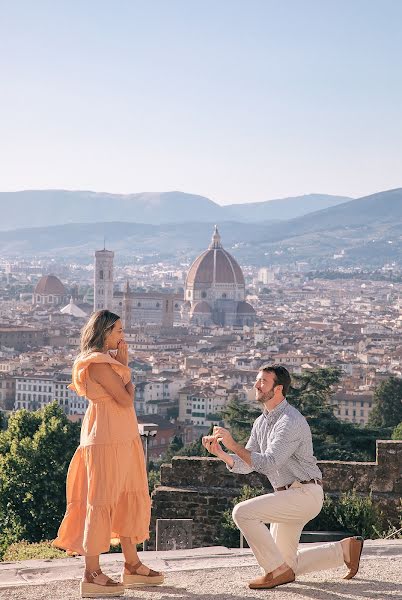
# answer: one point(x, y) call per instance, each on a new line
point(94, 358)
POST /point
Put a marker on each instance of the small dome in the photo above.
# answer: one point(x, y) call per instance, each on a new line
point(214, 265)
point(50, 285)
point(245, 308)
point(202, 307)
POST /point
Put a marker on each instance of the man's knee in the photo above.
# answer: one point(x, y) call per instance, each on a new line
point(240, 512)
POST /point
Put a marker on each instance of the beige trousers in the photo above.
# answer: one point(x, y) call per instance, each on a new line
point(287, 512)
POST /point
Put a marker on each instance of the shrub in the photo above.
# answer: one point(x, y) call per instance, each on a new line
point(26, 551)
point(349, 512)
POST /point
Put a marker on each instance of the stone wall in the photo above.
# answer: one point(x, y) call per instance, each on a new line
point(202, 488)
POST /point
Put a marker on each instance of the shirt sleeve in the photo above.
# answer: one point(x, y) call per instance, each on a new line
point(286, 440)
point(239, 466)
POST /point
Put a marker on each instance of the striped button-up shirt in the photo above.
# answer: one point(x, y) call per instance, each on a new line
point(281, 447)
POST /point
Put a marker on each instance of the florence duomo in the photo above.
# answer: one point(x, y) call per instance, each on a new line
point(214, 293)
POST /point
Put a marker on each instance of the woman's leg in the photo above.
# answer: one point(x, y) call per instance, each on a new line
point(131, 556)
point(135, 573)
point(92, 566)
point(92, 563)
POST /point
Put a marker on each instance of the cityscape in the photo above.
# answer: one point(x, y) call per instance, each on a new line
point(197, 333)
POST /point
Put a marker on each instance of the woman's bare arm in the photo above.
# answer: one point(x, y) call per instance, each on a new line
point(113, 384)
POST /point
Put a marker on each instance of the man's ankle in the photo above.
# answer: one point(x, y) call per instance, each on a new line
point(281, 569)
point(345, 543)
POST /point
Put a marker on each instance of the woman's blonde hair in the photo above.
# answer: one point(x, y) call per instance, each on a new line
point(93, 334)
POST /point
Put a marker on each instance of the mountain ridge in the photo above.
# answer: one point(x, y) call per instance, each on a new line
point(56, 207)
point(363, 231)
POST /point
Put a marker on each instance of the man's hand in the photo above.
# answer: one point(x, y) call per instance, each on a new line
point(223, 435)
point(122, 353)
point(211, 444)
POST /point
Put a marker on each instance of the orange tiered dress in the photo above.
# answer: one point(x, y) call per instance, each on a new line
point(107, 488)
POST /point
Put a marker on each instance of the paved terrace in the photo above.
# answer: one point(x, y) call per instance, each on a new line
point(216, 573)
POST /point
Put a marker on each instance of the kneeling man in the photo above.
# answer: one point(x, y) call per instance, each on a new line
point(280, 447)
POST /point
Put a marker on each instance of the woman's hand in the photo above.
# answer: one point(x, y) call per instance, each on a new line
point(122, 353)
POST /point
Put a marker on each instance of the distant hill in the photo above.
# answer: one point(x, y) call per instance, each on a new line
point(374, 210)
point(284, 209)
point(363, 232)
point(38, 208)
point(82, 239)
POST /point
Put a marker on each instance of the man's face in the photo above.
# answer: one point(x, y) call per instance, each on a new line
point(265, 386)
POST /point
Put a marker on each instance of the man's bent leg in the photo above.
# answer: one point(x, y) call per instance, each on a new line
point(286, 537)
point(250, 517)
point(293, 507)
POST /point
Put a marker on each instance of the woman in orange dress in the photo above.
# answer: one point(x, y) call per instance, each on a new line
point(107, 489)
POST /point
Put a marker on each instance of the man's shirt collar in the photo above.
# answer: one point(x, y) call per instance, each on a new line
point(275, 413)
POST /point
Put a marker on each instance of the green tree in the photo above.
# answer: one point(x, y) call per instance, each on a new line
point(3, 420)
point(397, 433)
point(194, 449)
point(176, 444)
point(240, 416)
point(311, 394)
point(387, 409)
point(333, 439)
point(35, 452)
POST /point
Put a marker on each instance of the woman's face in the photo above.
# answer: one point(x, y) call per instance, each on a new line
point(114, 336)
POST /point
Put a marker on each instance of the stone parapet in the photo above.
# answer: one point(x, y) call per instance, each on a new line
point(202, 488)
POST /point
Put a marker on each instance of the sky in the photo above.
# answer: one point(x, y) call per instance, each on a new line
point(239, 101)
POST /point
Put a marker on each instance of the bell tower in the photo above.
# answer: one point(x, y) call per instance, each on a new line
point(103, 280)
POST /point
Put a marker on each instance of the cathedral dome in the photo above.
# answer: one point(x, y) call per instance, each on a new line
point(215, 265)
point(50, 285)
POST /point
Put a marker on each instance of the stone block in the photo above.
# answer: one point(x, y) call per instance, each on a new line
point(174, 534)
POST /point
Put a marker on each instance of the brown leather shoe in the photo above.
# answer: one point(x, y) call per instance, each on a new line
point(266, 582)
point(355, 550)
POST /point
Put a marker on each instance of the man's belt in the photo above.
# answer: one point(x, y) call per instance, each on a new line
point(286, 487)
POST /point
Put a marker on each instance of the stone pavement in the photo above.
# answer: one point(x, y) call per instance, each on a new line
point(210, 574)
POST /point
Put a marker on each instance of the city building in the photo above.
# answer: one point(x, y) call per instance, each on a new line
point(49, 291)
point(103, 280)
point(215, 291)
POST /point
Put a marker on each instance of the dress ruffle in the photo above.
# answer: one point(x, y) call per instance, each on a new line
point(107, 497)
